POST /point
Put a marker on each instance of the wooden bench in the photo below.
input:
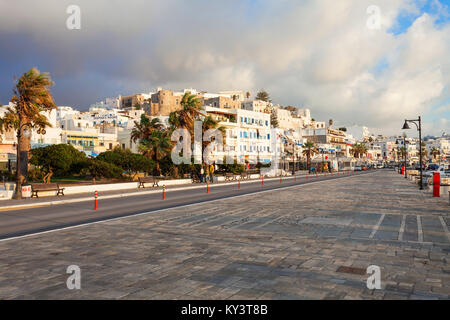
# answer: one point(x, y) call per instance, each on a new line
point(195, 178)
point(149, 179)
point(245, 176)
point(37, 187)
point(229, 176)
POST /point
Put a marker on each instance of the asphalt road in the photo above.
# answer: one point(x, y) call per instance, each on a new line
point(39, 219)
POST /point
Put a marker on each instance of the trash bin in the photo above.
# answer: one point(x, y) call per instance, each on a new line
point(26, 191)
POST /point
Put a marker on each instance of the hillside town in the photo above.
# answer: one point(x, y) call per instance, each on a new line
point(247, 122)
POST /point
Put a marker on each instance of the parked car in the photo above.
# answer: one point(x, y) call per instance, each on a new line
point(358, 168)
point(443, 170)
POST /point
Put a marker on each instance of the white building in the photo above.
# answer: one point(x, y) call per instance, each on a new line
point(247, 133)
point(358, 132)
point(442, 144)
point(255, 105)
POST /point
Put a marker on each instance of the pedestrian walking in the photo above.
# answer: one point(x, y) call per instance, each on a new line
point(202, 172)
point(211, 173)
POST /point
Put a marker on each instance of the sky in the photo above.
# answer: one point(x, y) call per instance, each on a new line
point(371, 63)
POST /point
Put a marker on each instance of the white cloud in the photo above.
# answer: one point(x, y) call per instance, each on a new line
point(318, 53)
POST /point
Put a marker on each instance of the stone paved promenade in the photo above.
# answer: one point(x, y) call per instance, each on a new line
point(286, 244)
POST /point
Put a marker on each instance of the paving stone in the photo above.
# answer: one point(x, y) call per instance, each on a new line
point(252, 248)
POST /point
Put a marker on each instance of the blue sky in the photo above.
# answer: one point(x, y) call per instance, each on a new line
point(405, 18)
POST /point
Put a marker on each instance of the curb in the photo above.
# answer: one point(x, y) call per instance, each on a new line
point(131, 194)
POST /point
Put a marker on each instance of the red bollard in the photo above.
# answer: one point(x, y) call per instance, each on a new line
point(207, 187)
point(262, 183)
point(281, 179)
point(306, 177)
point(403, 170)
point(436, 184)
point(164, 192)
point(295, 177)
point(239, 184)
point(95, 203)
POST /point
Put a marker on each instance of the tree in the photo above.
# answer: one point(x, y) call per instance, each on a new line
point(330, 122)
point(144, 128)
point(309, 151)
point(59, 159)
point(190, 111)
point(359, 149)
point(157, 146)
point(131, 163)
point(31, 97)
point(274, 119)
point(435, 152)
point(263, 96)
point(424, 152)
point(101, 169)
point(248, 94)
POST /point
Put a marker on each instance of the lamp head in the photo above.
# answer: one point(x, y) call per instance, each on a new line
point(406, 126)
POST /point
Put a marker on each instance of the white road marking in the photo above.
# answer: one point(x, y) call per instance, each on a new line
point(375, 229)
point(419, 229)
point(162, 210)
point(402, 228)
point(445, 227)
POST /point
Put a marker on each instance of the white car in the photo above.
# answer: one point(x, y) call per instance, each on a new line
point(443, 170)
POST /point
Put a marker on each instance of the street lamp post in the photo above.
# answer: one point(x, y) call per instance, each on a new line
point(406, 154)
point(418, 123)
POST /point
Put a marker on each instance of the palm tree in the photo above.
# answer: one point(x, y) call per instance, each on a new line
point(435, 152)
point(144, 129)
point(424, 152)
point(263, 96)
point(358, 150)
point(209, 123)
point(31, 97)
point(403, 151)
point(156, 147)
point(185, 118)
point(309, 151)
